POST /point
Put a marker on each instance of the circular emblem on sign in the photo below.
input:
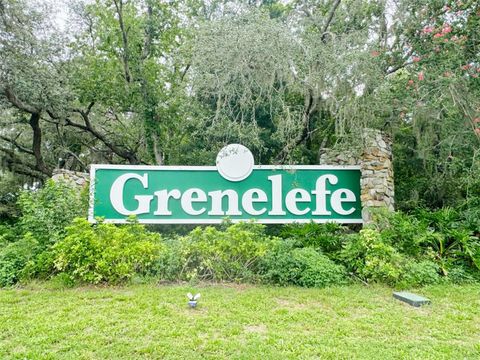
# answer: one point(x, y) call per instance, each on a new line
point(235, 162)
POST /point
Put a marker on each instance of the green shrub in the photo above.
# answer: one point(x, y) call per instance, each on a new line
point(372, 259)
point(105, 252)
point(450, 239)
point(40, 266)
point(170, 265)
point(287, 264)
point(471, 218)
point(317, 269)
point(419, 273)
point(404, 232)
point(13, 258)
point(276, 266)
point(48, 211)
point(9, 190)
point(327, 237)
point(8, 234)
point(446, 236)
point(61, 281)
point(462, 275)
point(212, 254)
point(44, 215)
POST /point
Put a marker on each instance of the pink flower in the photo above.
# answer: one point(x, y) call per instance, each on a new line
point(438, 35)
point(416, 59)
point(466, 67)
point(421, 76)
point(476, 120)
point(477, 131)
point(374, 53)
point(446, 29)
point(427, 30)
point(410, 82)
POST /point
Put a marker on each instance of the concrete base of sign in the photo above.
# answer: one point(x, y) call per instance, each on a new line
point(411, 299)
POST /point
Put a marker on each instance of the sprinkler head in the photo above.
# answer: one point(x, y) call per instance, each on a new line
point(192, 300)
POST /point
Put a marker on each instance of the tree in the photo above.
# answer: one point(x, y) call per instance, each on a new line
point(103, 97)
point(259, 75)
point(127, 61)
point(431, 100)
point(29, 85)
point(39, 103)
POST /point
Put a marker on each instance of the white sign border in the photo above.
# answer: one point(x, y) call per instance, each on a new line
point(95, 167)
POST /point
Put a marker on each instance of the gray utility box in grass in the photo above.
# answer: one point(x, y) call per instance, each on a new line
point(411, 299)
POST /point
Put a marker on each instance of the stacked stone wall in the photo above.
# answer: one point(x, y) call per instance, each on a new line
point(72, 177)
point(374, 157)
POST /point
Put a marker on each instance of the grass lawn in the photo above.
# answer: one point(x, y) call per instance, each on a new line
point(237, 322)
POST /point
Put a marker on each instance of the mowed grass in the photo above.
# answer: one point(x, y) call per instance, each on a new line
point(237, 322)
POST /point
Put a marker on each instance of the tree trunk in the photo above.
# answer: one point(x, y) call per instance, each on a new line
point(37, 144)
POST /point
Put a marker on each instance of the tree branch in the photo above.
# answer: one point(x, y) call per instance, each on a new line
point(19, 147)
point(82, 164)
point(125, 55)
point(88, 127)
point(311, 102)
point(398, 67)
point(89, 107)
point(184, 72)
point(125, 154)
point(329, 20)
point(147, 44)
point(404, 64)
point(15, 101)
point(28, 169)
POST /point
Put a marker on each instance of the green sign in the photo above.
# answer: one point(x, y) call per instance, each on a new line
point(205, 195)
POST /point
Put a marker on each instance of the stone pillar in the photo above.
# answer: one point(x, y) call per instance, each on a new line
point(374, 156)
point(71, 177)
point(377, 173)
